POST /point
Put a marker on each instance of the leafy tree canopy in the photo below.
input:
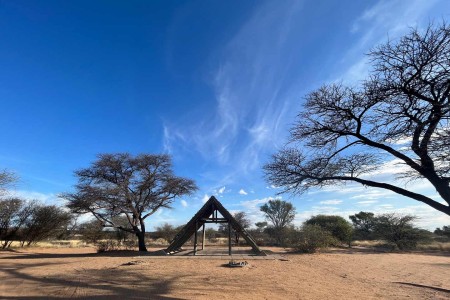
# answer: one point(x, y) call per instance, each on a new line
point(131, 186)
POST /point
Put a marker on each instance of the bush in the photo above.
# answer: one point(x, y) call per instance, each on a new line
point(311, 238)
point(166, 232)
point(92, 231)
point(400, 231)
point(339, 228)
point(130, 244)
point(106, 245)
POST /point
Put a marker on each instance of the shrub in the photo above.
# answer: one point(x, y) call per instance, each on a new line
point(166, 232)
point(400, 231)
point(444, 232)
point(92, 231)
point(311, 238)
point(339, 228)
point(107, 245)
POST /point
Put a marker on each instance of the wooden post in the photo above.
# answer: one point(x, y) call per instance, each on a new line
point(195, 239)
point(229, 238)
point(204, 236)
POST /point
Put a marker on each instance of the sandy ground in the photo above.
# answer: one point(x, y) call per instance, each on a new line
point(339, 274)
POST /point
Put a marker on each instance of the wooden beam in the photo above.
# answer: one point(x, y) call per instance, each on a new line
point(229, 238)
point(195, 238)
point(204, 236)
point(216, 222)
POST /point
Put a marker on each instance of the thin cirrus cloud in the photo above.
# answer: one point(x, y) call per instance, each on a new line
point(331, 202)
point(385, 20)
point(248, 109)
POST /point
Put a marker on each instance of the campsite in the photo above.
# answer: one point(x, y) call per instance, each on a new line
point(80, 273)
point(211, 149)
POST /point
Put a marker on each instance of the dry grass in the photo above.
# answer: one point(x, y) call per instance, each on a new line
point(54, 244)
point(369, 244)
point(435, 246)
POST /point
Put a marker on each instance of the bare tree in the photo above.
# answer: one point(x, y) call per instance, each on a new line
point(400, 113)
point(242, 218)
point(46, 221)
point(6, 179)
point(14, 214)
point(120, 184)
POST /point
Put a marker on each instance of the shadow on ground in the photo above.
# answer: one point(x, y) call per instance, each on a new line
point(109, 283)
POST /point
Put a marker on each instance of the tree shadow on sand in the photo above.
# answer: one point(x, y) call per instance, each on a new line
point(118, 253)
point(110, 283)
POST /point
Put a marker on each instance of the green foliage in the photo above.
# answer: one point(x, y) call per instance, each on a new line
point(364, 225)
point(280, 214)
point(336, 225)
point(311, 238)
point(260, 226)
point(400, 230)
point(444, 232)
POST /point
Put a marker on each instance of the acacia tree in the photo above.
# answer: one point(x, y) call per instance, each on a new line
point(120, 184)
point(280, 214)
point(400, 113)
point(364, 224)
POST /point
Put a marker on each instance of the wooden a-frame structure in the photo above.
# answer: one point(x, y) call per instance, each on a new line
point(208, 214)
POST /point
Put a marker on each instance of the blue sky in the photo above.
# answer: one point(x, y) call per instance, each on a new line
point(217, 84)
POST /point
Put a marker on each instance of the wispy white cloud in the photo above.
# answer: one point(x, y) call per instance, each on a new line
point(184, 203)
point(331, 202)
point(384, 20)
point(366, 202)
point(242, 192)
point(205, 198)
point(249, 108)
point(221, 190)
point(49, 198)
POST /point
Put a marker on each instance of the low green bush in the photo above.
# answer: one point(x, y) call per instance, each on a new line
point(311, 238)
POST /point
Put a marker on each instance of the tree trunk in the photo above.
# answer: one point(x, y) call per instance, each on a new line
point(141, 241)
point(141, 235)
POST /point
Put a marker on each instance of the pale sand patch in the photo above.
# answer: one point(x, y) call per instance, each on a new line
point(81, 273)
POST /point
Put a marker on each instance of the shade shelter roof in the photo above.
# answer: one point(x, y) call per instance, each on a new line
point(209, 214)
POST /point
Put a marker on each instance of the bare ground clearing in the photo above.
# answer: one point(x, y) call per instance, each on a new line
point(339, 274)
